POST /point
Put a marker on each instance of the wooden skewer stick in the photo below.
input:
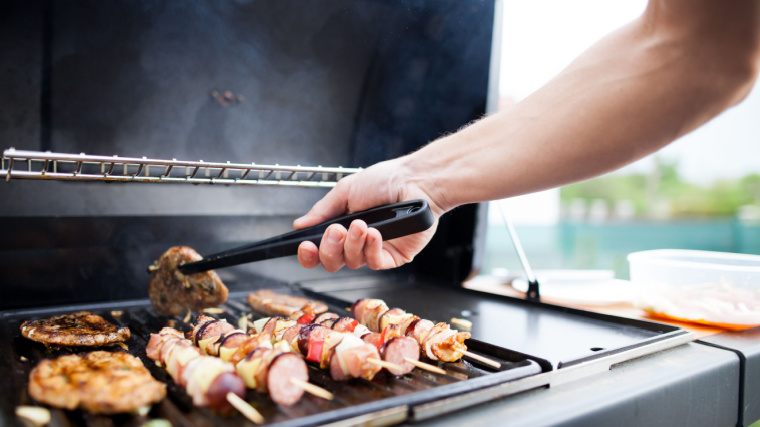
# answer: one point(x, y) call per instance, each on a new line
point(482, 359)
point(245, 408)
point(425, 366)
point(383, 363)
point(312, 389)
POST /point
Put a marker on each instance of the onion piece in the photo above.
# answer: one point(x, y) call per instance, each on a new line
point(360, 330)
point(36, 415)
point(259, 324)
point(243, 323)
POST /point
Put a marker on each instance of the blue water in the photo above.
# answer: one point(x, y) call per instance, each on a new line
point(584, 245)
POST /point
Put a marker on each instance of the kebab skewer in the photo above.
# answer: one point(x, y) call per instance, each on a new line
point(346, 357)
point(283, 332)
point(319, 337)
point(399, 354)
point(394, 346)
point(437, 341)
point(267, 368)
point(209, 381)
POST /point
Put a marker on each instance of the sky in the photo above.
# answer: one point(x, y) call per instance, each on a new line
point(541, 37)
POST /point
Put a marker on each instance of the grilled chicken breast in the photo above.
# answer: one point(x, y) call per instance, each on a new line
point(172, 292)
point(77, 329)
point(99, 382)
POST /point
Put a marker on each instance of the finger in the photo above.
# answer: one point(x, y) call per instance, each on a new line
point(334, 204)
point(374, 254)
point(353, 252)
point(308, 254)
point(331, 248)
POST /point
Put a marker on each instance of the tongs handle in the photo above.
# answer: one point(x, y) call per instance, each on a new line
point(392, 221)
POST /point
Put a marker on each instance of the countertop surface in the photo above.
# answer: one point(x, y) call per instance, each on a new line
point(707, 382)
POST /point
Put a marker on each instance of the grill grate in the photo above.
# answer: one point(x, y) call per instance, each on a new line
point(384, 400)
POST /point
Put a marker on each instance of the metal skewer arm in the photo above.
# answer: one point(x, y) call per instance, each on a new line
point(23, 164)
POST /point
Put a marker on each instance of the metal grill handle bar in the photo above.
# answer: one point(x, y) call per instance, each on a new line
point(23, 164)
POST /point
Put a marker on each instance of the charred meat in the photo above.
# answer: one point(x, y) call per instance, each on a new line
point(76, 329)
point(172, 292)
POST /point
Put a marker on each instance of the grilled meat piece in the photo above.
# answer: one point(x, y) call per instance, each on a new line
point(274, 304)
point(76, 329)
point(397, 350)
point(99, 382)
point(172, 292)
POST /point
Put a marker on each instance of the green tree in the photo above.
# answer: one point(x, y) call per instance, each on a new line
point(664, 184)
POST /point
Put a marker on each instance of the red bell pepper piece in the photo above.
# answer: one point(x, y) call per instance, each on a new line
point(315, 350)
point(306, 319)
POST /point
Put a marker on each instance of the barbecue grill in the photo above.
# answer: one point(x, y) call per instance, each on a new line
point(280, 100)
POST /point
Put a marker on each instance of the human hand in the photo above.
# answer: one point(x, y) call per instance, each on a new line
point(380, 184)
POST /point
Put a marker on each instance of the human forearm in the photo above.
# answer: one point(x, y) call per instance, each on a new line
point(643, 86)
point(679, 65)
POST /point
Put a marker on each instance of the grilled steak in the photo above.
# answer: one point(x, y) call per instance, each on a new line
point(274, 304)
point(76, 329)
point(172, 292)
point(98, 382)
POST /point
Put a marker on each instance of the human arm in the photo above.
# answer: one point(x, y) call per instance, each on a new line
point(661, 76)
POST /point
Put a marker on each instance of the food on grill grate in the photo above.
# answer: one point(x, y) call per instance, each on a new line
point(206, 379)
point(34, 415)
point(336, 344)
point(273, 304)
point(207, 327)
point(171, 292)
point(76, 329)
point(265, 368)
point(99, 382)
point(437, 341)
point(271, 370)
point(400, 351)
point(314, 342)
point(252, 342)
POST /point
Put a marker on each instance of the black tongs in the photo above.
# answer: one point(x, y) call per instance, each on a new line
point(392, 221)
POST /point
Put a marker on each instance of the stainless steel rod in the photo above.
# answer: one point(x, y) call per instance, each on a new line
point(158, 179)
point(533, 292)
point(197, 172)
point(12, 153)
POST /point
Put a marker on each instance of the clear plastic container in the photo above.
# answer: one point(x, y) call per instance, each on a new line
point(714, 288)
